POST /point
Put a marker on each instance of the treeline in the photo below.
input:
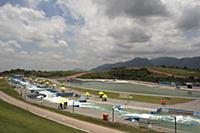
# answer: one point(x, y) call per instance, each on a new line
point(46, 74)
point(136, 74)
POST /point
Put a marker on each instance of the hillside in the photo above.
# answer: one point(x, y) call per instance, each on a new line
point(191, 63)
point(176, 72)
point(151, 74)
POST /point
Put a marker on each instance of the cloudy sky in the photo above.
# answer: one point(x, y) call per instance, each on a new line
point(67, 34)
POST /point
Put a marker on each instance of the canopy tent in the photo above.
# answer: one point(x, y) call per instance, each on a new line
point(105, 96)
point(63, 100)
point(54, 85)
point(62, 88)
point(101, 93)
point(87, 93)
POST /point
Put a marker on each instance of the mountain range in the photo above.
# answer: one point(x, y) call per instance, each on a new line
point(188, 62)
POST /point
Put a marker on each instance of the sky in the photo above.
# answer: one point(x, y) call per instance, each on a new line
point(67, 34)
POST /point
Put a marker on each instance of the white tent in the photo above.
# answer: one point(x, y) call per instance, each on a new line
point(48, 94)
point(34, 88)
point(62, 99)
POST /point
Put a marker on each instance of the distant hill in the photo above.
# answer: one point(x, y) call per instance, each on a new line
point(191, 63)
point(78, 70)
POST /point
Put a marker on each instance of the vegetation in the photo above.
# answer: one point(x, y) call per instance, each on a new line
point(16, 120)
point(178, 71)
point(5, 87)
point(143, 74)
point(46, 74)
point(156, 100)
point(116, 125)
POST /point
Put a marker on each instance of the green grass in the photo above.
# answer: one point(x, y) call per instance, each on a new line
point(178, 71)
point(6, 88)
point(156, 100)
point(138, 98)
point(10, 91)
point(16, 120)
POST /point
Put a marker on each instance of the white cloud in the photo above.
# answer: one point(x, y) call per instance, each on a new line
point(107, 34)
point(8, 47)
point(30, 26)
point(105, 38)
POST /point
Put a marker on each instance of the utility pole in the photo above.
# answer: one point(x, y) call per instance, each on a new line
point(20, 88)
point(73, 107)
point(41, 99)
point(175, 126)
point(24, 89)
point(25, 94)
point(113, 114)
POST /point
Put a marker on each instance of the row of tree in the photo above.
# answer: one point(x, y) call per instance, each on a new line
point(47, 74)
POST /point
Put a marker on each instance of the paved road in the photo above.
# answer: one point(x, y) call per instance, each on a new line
point(193, 105)
point(128, 104)
point(78, 124)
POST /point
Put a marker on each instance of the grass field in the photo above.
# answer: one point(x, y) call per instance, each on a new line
point(10, 91)
point(4, 86)
point(178, 71)
point(16, 120)
point(156, 100)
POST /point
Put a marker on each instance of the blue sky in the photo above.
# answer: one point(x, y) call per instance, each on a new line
point(67, 34)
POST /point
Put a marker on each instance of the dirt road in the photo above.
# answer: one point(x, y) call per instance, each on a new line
point(159, 72)
point(78, 124)
point(73, 76)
